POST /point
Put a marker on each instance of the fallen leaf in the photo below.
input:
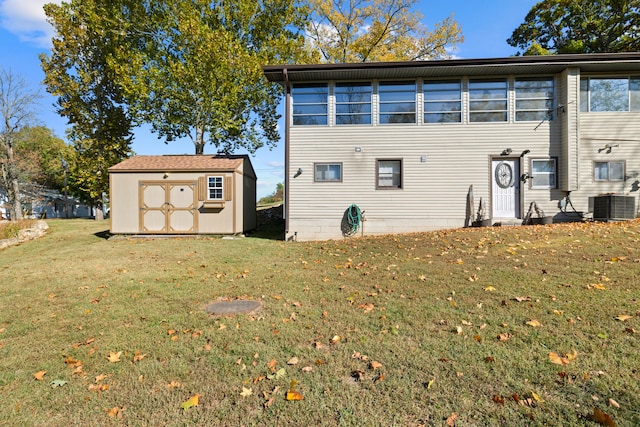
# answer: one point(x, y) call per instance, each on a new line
point(358, 375)
point(114, 412)
point(614, 404)
point(430, 383)
point(114, 357)
point(246, 392)
point(191, 402)
point(602, 418)
point(307, 369)
point(138, 356)
point(57, 383)
point(293, 361)
point(534, 323)
point(375, 365)
point(521, 299)
point(624, 317)
point(498, 399)
point(279, 374)
point(536, 397)
point(39, 375)
point(556, 359)
point(172, 384)
point(489, 289)
point(272, 365)
point(378, 378)
point(451, 421)
point(335, 339)
point(294, 395)
point(504, 337)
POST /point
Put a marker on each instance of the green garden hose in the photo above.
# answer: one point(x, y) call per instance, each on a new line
point(354, 218)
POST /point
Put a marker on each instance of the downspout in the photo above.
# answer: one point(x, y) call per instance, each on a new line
point(287, 125)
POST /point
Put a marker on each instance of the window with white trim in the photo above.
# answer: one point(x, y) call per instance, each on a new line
point(442, 101)
point(397, 102)
point(389, 174)
point(488, 100)
point(543, 174)
point(310, 103)
point(609, 94)
point(215, 187)
point(609, 171)
point(534, 99)
point(327, 172)
point(353, 103)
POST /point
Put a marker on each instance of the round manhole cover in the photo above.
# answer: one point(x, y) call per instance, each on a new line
point(233, 307)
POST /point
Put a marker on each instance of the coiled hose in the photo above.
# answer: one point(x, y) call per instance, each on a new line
point(354, 218)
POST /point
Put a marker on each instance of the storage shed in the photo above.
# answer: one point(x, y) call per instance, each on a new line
point(183, 194)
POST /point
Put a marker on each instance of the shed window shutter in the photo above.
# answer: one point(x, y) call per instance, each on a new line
point(202, 188)
point(228, 188)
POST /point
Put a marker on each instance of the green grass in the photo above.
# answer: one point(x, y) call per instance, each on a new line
point(428, 307)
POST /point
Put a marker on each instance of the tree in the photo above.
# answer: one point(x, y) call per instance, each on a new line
point(39, 154)
point(275, 197)
point(17, 102)
point(579, 26)
point(78, 71)
point(377, 30)
point(189, 68)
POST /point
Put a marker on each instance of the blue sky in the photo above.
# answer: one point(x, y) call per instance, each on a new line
point(24, 34)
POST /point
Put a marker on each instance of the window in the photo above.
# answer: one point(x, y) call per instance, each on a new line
point(488, 100)
point(215, 187)
point(327, 172)
point(442, 101)
point(608, 171)
point(609, 94)
point(310, 102)
point(353, 103)
point(389, 174)
point(397, 102)
point(534, 99)
point(543, 174)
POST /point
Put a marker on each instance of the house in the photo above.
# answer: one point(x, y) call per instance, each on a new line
point(183, 194)
point(405, 141)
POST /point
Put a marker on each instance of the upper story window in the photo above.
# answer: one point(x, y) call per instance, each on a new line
point(353, 103)
point(488, 100)
point(310, 103)
point(397, 102)
point(215, 187)
point(442, 101)
point(609, 94)
point(534, 99)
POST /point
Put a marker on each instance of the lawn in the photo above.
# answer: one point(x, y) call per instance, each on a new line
point(501, 326)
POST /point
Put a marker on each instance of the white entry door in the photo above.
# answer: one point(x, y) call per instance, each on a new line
point(505, 177)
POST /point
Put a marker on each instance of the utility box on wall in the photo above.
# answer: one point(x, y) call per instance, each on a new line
point(614, 207)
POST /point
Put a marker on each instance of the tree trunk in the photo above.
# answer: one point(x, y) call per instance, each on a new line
point(13, 189)
point(199, 141)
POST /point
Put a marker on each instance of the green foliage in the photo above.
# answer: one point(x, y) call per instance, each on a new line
point(39, 155)
point(275, 197)
point(10, 229)
point(78, 72)
point(579, 26)
point(377, 30)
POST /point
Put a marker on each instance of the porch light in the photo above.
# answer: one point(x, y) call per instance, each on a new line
point(358, 149)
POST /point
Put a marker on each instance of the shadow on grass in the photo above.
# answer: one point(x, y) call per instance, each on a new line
point(271, 231)
point(104, 234)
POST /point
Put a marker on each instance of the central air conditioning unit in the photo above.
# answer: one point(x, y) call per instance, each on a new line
point(614, 207)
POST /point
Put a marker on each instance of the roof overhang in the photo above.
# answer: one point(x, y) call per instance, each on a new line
point(515, 65)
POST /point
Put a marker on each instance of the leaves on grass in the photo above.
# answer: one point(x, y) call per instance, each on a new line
point(451, 421)
point(191, 402)
point(138, 356)
point(246, 392)
point(489, 289)
point(278, 374)
point(504, 337)
point(556, 359)
point(614, 404)
point(293, 361)
point(292, 394)
point(39, 375)
point(57, 383)
point(534, 323)
point(114, 357)
point(335, 340)
point(271, 365)
point(602, 418)
point(114, 412)
point(375, 365)
point(623, 317)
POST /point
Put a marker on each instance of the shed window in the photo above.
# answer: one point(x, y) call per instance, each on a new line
point(310, 103)
point(442, 101)
point(488, 100)
point(397, 102)
point(215, 187)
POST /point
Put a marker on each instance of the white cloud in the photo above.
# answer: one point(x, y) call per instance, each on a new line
point(27, 20)
point(275, 164)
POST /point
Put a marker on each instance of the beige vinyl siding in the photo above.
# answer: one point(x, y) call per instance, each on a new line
point(434, 192)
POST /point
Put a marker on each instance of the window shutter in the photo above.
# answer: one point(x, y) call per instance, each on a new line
point(202, 188)
point(228, 188)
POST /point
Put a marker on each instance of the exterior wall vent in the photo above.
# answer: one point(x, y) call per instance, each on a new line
point(614, 207)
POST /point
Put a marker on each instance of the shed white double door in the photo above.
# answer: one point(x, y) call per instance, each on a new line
point(505, 188)
point(168, 206)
